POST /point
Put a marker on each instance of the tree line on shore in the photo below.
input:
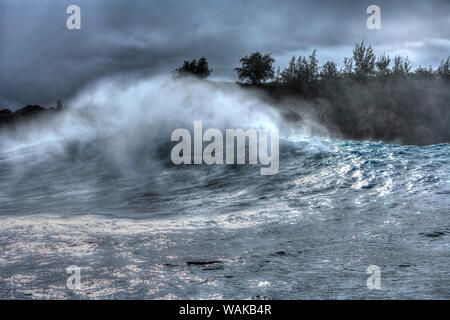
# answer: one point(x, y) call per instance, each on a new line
point(29, 112)
point(304, 72)
point(368, 98)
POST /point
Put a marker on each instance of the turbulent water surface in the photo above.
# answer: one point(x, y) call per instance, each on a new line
point(96, 189)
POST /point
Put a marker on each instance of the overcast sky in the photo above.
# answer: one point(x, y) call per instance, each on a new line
point(40, 59)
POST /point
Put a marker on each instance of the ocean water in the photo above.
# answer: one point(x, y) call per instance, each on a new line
point(95, 188)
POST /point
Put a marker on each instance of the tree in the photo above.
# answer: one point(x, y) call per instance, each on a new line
point(288, 75)
point(329, 71)
point(303, 73)
point(278, 77)
point(422, 72)
point(256, 68)
point(444, 69)
point(364, 59)
point(307, 69)
point(59, 105)
point(402, 67)
point(347, 70)
point(194, 68)
point(382, 65)
point(307, 73)
point(313, 67)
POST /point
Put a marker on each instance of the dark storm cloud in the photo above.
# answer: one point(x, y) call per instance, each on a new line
point(40, 59)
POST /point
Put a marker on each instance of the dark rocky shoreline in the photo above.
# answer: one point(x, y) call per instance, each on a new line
point(10, 118)
point(405, 112)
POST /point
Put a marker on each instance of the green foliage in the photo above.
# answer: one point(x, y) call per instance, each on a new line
point(256, 68)
point(303, 73)
point(402, 67)
point(369, 98)
point(347, 70)
point(278, 76)
point(289, 74)
point(364, 60)
point(444, 69)
point(422, 72)
point(329, 71)
point(382, 65)
point(195, 68)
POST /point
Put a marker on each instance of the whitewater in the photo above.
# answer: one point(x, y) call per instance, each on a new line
point(94, 187)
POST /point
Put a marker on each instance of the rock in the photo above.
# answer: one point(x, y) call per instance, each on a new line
point(29, 112)
point(201, 263)
point(6, 115)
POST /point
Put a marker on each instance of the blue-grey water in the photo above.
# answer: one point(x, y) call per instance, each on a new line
point(139, 227)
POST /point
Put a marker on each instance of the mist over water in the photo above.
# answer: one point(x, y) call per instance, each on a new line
point(133, 115)
point(94, 187)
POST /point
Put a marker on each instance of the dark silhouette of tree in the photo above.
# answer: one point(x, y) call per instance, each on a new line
point(364, 59)
point(382, 65)
point(329, 71)
point(444, 69)
point(422, 72)
point(347, 70)
point(290, 73)
point(59, 104)
point(308, 69)
point(278, 77)
point(302, 74)
point(402, 67)
point(194, 68)
point(256, 68)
